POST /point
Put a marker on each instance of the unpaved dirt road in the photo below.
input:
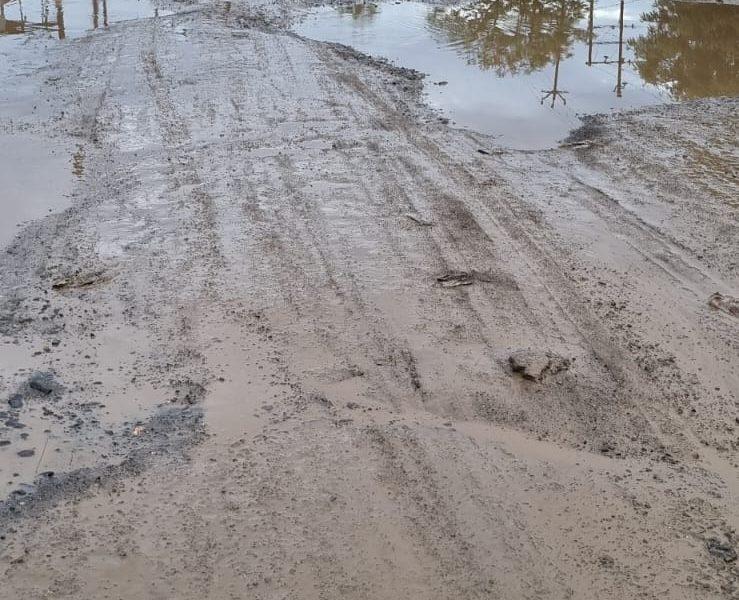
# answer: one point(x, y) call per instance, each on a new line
point(297, 338)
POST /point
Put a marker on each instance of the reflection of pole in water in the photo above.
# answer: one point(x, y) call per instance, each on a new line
point(95, 11)
point(619, 86)
point(45, 14)
point(590, 34)
point(555, 92)
point(606, 61)
point(20, 12)
point(60, 18)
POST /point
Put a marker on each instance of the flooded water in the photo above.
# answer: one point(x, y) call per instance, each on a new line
point(525, 70)
point(63, 19)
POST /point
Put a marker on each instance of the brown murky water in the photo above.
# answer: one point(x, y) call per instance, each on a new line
point(68, 18)
point(525, 70)
point(36, 177)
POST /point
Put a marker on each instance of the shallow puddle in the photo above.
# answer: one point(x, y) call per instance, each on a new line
point(62, 19)
point(102, 392)
point(525, 70)
point(36, 179)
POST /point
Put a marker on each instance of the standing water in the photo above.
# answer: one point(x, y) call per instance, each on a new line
point(525, 70)
point(67, 18)
point(37, 171)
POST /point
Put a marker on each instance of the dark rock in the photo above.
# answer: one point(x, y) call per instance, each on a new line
point(26, 453)
point(13, 423)
point(721, 550)
point(15, 401)
point(42, 382)
point(607, 447)
point(24, 489)
point(4, 443)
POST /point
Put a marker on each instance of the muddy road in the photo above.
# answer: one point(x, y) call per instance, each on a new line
point(289, 334)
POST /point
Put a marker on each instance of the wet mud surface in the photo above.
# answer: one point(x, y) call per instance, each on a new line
point(292, 336)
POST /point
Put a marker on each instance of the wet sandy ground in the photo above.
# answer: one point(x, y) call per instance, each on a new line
point(266, 353)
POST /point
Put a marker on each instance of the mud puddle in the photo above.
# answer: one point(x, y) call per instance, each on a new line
point(80, 415)
point(61, 19)
point(36, 178)
point(526, 70)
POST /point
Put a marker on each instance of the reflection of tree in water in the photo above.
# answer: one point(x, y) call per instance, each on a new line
point(359, 10)
point(691, 48)
point(512, 36)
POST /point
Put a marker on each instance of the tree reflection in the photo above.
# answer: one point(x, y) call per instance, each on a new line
point(512, 36)
point(693, 49)
point(359, 10)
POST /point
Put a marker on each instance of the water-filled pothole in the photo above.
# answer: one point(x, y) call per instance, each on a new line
point(525, 70)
